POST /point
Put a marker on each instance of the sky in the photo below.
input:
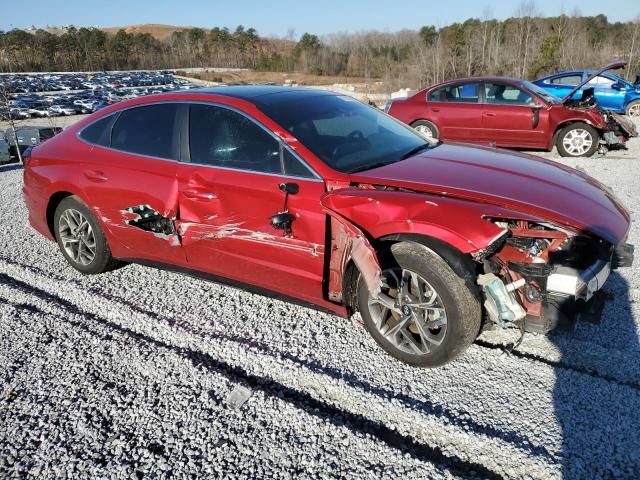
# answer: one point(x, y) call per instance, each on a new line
point(278, 17)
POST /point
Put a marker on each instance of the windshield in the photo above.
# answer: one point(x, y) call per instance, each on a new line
point(346, 134)
point(541, 92)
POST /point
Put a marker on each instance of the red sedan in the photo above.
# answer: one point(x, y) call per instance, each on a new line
point(317, 198)
point(512, 113)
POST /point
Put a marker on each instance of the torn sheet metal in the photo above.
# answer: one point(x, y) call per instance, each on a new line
point(349, 242)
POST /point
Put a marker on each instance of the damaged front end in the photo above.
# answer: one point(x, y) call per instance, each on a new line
point(540, 276)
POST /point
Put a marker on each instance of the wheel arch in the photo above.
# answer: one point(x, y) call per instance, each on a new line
point(52, 204)
point(568, 122)
point(461, 263)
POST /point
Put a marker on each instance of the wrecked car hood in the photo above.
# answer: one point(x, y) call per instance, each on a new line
point(519, 182)
point(611, 66)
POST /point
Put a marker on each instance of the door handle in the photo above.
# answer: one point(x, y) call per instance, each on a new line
point(96, 176)
point(196, 195)
point(489, 114)
point(435, 109)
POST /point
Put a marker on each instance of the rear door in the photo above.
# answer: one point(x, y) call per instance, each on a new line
point(228, 194)
point(511, 117)
point(457, 111)
point(130, 179)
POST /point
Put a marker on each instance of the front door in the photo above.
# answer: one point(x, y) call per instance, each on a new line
point(511, 118)
point(230, 191)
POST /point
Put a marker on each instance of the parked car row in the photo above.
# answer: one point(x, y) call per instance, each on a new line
point(97, 93)
point(51, 82)
point(513, 113)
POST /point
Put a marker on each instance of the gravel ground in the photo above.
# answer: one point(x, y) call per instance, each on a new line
point(129, 374)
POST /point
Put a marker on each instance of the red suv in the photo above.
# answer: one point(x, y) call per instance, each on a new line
point(512, 113)
point(318, 198)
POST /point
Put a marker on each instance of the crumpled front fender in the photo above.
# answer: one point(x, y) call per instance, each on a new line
point(379, 213)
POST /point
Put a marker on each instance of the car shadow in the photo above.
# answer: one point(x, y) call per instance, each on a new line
point(596, 396)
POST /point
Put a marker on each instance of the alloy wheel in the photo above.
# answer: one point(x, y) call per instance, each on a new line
point(577, 142)
point(77, 236)
point(634, 110)
point(425, 131)
point(409, 313)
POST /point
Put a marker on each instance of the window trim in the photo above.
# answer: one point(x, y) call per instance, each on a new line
point(519, 87)
point(458, 84)
point(184, 139)
point(281, 145)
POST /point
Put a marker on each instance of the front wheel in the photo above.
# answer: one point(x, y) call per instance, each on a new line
point(426, 315)
point(577, 140)
point(633, 109)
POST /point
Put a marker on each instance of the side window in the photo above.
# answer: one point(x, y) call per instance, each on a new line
point(224, 138)
point(601, 81)
point(147, 130)
point(570, 80)
point(462, 92)
point(99, 132)
point(293, 167)
point(506, 94)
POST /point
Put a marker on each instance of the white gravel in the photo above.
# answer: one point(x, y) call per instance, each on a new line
point(129, 374)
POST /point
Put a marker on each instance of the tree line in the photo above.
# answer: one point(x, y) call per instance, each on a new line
point(526, 45)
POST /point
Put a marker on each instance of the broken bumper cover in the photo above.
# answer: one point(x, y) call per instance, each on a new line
point(583, 284)
point(580, 284)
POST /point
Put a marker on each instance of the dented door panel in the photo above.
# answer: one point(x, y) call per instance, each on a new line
point(225, 228)
point(134, 181)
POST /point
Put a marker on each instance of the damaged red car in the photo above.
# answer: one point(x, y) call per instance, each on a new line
point(512, 113)
point(317, 198)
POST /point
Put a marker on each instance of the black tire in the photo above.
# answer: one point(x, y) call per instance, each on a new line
point(102, 260)
point(424, 127)
point(463, 311)
point(633, 109)
point(575, 128)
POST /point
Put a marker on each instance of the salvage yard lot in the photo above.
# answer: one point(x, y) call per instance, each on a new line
point(128, 374)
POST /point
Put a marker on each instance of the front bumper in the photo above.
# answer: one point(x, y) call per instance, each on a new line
point(583, 284)
point(579, 284)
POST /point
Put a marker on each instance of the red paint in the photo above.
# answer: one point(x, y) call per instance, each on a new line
point(510, 126)
point(222, 217)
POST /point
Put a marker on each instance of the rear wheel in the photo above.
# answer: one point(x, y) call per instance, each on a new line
point(81, 239)
point(577, 140)
point(425, 316)
point(426, 128)
point(633, 109)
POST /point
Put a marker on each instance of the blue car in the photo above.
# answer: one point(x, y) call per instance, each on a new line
point(611, 91)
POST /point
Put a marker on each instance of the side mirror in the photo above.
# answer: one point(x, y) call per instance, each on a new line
point(618, 86)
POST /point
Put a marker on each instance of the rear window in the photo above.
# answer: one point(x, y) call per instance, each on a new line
point(147, 130)
point(99, 132)
point(462, 92)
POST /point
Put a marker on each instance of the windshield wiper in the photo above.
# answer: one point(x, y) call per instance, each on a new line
point(413, 151)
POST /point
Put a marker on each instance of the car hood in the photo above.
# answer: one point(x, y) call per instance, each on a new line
point(611, 66)
point(524, 184)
